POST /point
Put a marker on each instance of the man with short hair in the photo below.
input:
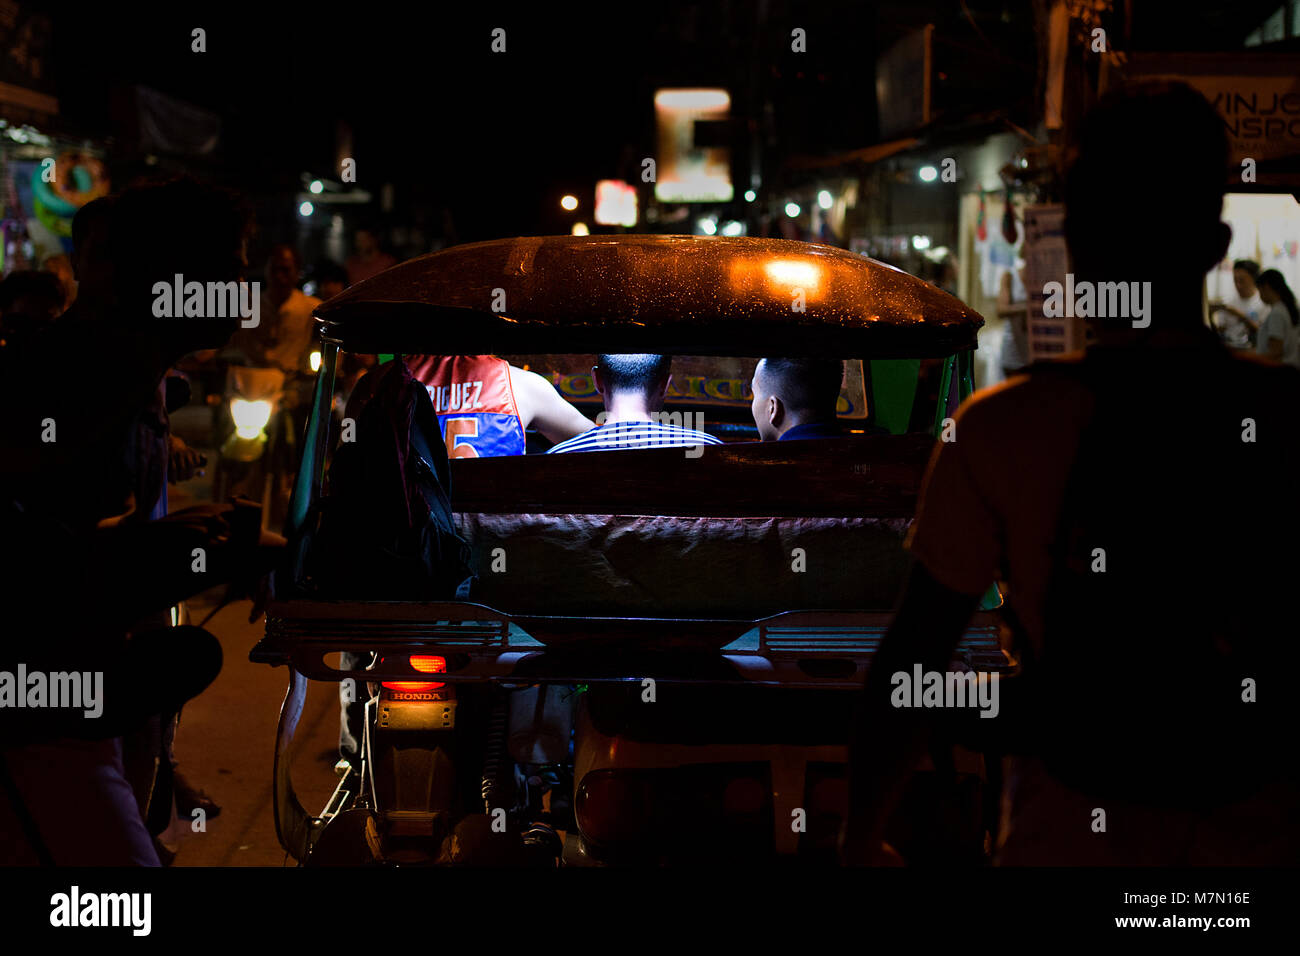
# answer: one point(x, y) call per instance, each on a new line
point(795, 398)
point(1240, 315)
point(634, 388)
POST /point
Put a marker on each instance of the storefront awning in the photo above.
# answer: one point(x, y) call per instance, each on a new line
point(865, 156)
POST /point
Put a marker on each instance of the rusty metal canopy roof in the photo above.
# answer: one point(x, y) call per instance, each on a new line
point(665, 294)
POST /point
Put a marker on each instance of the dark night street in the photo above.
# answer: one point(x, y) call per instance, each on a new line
point(823, 465)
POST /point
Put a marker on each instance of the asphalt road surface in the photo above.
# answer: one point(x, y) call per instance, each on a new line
point(226, 746)
point(226, 740)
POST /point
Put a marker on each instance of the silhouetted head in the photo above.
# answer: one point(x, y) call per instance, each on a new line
point(281, 274)
point(1145, 191)
point(29, 297)
point(60, 266)
point(643, 379)
point(789, 392)
point(180, 227)
point(331, 279)
point(365, 242)
point(91, 263)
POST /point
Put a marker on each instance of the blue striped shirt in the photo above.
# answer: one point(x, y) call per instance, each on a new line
point(616, 435)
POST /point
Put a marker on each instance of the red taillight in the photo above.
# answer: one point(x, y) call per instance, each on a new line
point(425, 664)
point(428, 664)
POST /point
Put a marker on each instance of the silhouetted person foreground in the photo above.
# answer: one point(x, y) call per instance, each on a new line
point(29, 301)
point(72, 589)
point(1152, 614)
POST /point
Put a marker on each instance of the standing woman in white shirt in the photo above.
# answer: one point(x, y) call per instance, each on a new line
point(1279, 330)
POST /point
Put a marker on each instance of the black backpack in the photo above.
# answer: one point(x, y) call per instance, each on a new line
point(384, 530)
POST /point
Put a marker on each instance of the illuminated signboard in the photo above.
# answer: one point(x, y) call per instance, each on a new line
point(1257, 94)
point(615, 203)
point(696, 380)
point(686, 172)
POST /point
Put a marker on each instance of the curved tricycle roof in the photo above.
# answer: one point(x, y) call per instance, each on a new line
point(663, 294)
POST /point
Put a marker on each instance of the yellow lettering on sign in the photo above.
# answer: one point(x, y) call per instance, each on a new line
point(579, 386)
point(726, 389)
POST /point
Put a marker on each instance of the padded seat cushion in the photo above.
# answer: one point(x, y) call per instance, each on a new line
point(684, 566)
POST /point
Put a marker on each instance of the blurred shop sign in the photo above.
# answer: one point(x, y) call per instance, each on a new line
point(26, 69)
point(692, 165)
point(903, 83)
point(615, 203)
point(1257, 94)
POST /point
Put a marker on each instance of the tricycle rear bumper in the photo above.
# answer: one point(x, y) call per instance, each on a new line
point(812, 649)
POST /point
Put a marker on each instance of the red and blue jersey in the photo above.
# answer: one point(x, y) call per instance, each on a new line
point(474, 402)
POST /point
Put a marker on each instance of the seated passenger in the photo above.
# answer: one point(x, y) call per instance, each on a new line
point(796, 398)
point(484, 404)
point(633, 387)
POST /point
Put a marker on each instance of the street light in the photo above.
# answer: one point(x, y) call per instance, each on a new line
point(317, 186)
point(792, 210)
point(824, 199)
point(750, 195)
point(927, 174)
point(569, 203)
point(306, 209)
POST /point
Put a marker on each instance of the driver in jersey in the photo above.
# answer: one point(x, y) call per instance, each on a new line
point(484, 404)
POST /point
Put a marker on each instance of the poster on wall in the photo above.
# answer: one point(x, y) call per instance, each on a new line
point(1279, 248)
point(1047, 260)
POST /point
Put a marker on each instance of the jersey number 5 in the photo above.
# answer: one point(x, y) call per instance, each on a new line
point(458, 432)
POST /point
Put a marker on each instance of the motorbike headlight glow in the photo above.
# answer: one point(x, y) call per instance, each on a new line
point(250, 417)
